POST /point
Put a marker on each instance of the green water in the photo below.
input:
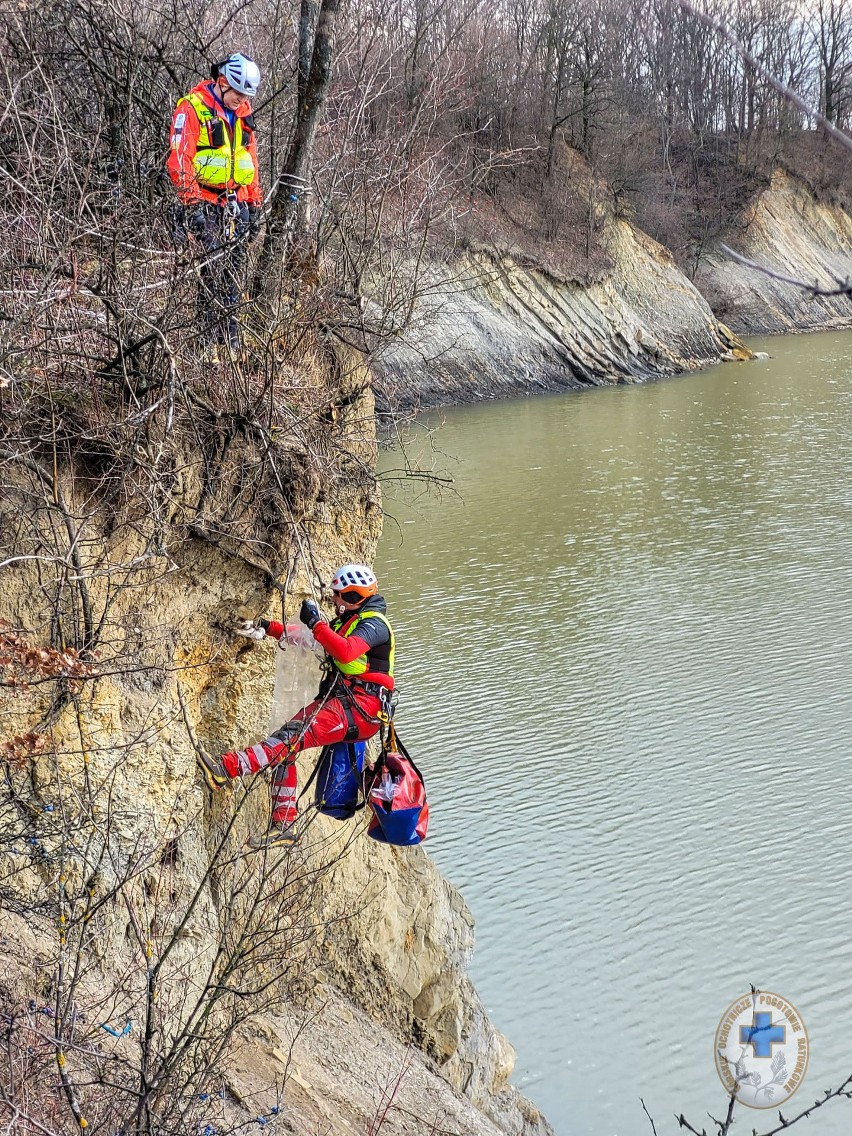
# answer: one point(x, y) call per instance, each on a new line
point(624, 655)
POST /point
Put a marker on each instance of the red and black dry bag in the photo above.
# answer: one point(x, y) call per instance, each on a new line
point(395, 794)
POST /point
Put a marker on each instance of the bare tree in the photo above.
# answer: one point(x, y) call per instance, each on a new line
point(288, 207)
point(831, 29)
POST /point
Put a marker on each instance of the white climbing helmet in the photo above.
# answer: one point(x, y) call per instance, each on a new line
point(355, 578)
point(241, 73)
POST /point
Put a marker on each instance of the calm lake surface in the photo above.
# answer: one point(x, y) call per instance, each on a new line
point(624, 651)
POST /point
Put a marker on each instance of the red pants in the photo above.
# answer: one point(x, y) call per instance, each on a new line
point(328, 724)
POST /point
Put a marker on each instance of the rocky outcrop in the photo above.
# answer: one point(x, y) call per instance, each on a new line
point(492, 325)
point(336, 972)
point(787, 230)
point(347, 1071)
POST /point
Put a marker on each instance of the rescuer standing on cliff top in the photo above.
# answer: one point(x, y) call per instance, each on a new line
point(355, 689)
point(213, 165)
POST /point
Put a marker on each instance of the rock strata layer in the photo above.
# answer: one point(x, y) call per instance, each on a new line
point(789, 232)
point(491, 326)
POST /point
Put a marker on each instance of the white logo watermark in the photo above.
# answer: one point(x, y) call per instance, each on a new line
point(761, 1049)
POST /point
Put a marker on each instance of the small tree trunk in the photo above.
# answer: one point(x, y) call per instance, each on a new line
point(307, 31)
point(288, 211)
point(829, 96)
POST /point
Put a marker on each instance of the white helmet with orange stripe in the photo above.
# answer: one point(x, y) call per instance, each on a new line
point(354, 583)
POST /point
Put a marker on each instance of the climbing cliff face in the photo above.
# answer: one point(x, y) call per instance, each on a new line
point(791, 233)
point(493, 325)
point(152, 972)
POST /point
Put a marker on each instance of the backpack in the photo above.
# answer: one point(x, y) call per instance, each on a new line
point(338, 775)
point(395, 793)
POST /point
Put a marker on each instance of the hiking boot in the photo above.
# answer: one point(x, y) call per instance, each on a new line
point(276, 836)
point(214, 771)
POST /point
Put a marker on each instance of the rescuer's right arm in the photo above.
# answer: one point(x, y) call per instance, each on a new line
point(292, 633)
point(183, 145)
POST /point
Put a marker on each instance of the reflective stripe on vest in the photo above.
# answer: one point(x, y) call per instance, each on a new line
point(219, 167)
point(361, 665)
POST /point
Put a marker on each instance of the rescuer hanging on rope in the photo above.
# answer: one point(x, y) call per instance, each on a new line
point(356, 689)
point(213, 165)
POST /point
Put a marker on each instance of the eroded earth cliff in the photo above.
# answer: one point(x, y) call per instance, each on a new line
point(788, 231)
point(494, 324)
point(149, 967)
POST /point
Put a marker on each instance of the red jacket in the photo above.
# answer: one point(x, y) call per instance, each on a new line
point(184, 145)
point(344, 648)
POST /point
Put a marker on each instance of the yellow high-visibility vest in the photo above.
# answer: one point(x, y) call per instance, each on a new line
point(360, 665)
point(219, 167)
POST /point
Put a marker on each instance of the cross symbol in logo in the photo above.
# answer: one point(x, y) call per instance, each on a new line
point(762, 1034)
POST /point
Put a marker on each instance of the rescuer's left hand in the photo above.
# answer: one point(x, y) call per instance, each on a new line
point(310, 614)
